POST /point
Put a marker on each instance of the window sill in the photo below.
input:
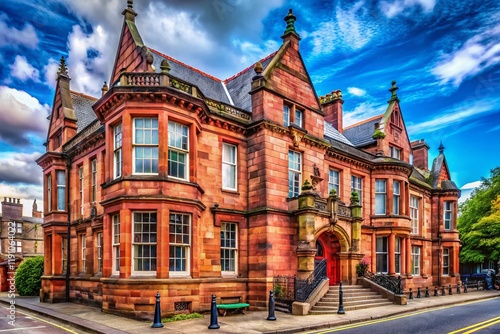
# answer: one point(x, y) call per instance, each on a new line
point(231, 192)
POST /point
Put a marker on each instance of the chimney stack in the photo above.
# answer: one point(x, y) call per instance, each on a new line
point(420, 154)
point(332, 109)
point(12, 209)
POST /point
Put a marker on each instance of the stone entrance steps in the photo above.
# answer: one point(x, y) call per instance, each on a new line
point(355, 297)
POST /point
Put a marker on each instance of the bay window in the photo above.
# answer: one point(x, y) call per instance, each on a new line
point(178, 150)
point(145, 145)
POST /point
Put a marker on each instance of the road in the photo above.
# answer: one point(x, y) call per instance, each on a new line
point(476, 317)
point(30, 323)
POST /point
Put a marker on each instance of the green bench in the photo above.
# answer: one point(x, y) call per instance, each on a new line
point(230, 304)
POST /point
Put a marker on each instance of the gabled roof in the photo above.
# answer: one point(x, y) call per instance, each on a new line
point(82, 105)
point(240, 84)
point(360, 134)
point(332, 133)
point(438, 165)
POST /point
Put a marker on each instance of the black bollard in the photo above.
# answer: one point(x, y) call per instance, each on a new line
point(443, 291)
point(418, 292)
point(271, 306)
point(450, 290)
point(427, 292)
point(213, 315)
point(411, 294)
point(436, 291)
point(465, 287)
point(458, 288)
point(341, 301)
point(157, 318)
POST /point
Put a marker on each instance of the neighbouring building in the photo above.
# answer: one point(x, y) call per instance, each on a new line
point(20, 237)
point(174, 181)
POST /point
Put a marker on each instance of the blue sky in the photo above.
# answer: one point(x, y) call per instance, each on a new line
point(444, 55)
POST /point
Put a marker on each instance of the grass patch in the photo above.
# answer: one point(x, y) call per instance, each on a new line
point(179, 317)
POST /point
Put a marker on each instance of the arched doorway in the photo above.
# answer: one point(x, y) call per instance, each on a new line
point(328, 247)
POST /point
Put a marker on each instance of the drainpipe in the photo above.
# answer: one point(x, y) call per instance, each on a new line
point(68, 249)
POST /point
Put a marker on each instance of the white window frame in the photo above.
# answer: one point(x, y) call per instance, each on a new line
point(334, 181)
point(179, 244)
point(117, 151)
point(229, 167)
point(229, 248)
point(382, 253)
point(19, 228)
point(144, 238)
point(357, 186)
point(446, 261)
point(299, 118)
point(448, 211)
point(178, 143)
point(294, 173)
point(286, 115)
point(395, 152)
point(380, 197)
point(61, 190)
point(396, 197)
point(415, 260)
point(19, 247)
point(99, 252)
point(49, 193)
point(83, 250)
point(414, 207)
point(145, 146)
point(81, 185)
point(64, 254)
point(116, 244)
point(93, 169)
point(397, 255)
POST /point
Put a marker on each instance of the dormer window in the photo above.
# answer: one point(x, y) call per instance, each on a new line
point(292, 115)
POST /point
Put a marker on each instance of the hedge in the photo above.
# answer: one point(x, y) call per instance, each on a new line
point(28, 276)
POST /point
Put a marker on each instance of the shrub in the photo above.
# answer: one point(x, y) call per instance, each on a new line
point(28, 276)
point(361, 267)
point(180, 317)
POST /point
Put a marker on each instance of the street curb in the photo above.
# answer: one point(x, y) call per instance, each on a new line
point(354, 321)
point(75, 322)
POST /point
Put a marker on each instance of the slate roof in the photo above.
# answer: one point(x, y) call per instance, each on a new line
point(361, 134)
point(33, 220)
point(332, 133)
point(82, 105)
point(210, 86)
point(240, 85)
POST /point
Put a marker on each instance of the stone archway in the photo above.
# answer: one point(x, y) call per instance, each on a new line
point(328, 247)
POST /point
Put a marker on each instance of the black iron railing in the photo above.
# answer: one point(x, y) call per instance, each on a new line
point(304, 288)
point(391, 283)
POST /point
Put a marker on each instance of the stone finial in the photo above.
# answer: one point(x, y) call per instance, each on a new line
point(393, 89)
point(441, 148)
point(63, 70)
point(306, 186)
point(104, 88)
point(130, 4)
point(35, 206)
point(165, 66)
point(258, 68)
point(290, 22)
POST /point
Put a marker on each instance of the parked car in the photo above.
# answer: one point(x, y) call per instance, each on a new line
point(482, 275)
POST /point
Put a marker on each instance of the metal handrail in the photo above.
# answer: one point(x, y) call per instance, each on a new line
point(304, 288)
point(391, 283)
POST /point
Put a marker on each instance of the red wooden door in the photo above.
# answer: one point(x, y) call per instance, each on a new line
point(328, 247)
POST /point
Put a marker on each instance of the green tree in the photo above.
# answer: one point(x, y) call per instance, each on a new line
point(479, 222)
point(28, 276)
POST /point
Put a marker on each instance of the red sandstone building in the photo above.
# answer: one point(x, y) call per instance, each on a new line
point(178, 182)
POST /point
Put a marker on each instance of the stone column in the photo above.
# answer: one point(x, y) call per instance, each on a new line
point(306, 216)
point(408, 258)
point(355, 207)
point(403, 256)
point(391, 252)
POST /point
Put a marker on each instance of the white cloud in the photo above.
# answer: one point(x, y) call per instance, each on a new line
point(471, 185)
point(90, 59)
point(356, 91)
point(394, 8)
point(12, 36)
point(20, 168)
point(476, 55)
point(22, 70)
point(454, 117)
point(21, 116)
point(362, 112)
point(50, 72)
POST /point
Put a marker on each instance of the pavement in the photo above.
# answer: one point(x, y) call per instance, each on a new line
point(91, 319)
